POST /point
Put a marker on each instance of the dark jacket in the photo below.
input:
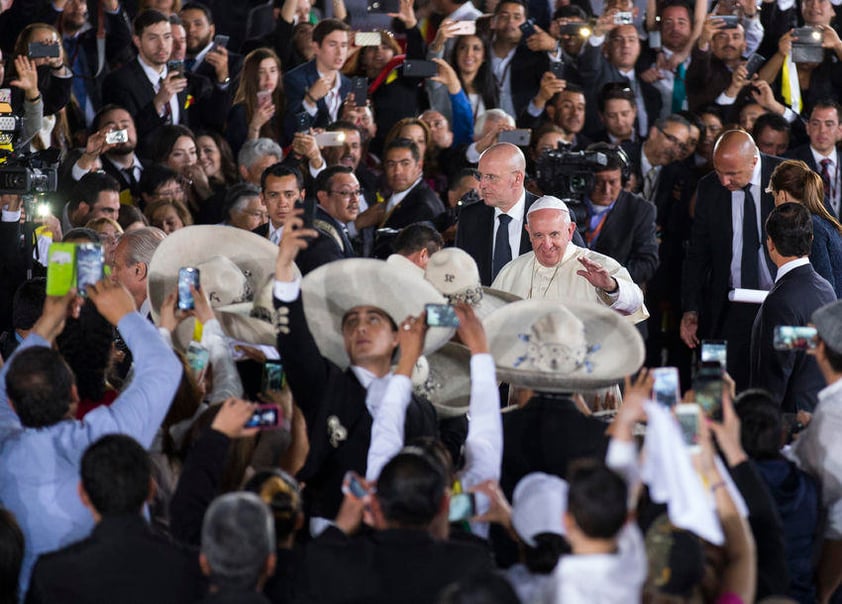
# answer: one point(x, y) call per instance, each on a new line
point(826, 253)
point(331, 244)
point(394, 565)
point(121, 561)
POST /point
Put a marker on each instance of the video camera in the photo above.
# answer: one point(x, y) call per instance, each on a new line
point(569, 175)
point(30, 173)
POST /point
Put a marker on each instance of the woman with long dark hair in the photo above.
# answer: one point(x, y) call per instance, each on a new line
point(259, 102)
point(794, 181)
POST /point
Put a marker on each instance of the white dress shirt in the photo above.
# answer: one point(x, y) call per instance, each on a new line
point(502, 69)
point(154, 78)
point(333, 99)
point(737, 199)
point(833, 170)
point(792, 264)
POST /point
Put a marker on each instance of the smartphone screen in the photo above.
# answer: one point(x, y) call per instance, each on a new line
point(360, 90)
point(441, 315)
point(715, 350)
point(708, 387)
point(688, 421)
point(187, 276)
point(462, 507)
point(309, 217)
point(265, 417)
point(666, 389)
point(90, 262)
point(793, 337)
point(61, 268)
point(273, 377)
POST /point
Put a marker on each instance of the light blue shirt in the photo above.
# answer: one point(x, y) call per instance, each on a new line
point(39, 468)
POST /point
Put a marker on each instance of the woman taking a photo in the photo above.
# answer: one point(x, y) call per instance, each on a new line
point(259, 103)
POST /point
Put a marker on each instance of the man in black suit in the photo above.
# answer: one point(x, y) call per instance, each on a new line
point(338, 195)
point(281, 187)
point(667, 140)
point(565, 109)
point(792, 377)
point(502, 170)
point(143, 86)
point(616, 63)
point(714, 71)
point(618, 114)
point(725, 249)
point(335, 400)
point(412, 200)
point(821, 154)
point(318, 87)
point(122, 555)
point(620, 224)
point(400, 561)
point(204, 58)
point(517, 70)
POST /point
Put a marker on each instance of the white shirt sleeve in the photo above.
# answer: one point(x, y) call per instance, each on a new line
point(226, 379)
point(8, 216)
point(309, 108)
point(387, 425)
point(471, 154)
point(754, 33)
point(627, 299)
point(484, 443)
point(287, 291)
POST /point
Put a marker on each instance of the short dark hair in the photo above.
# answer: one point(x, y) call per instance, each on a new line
point(417, 236)
point(39, 383)
point(280, 170)
point(410, 488)
point(571, 11)
point(344, 125)
point(153, 176)
point(89, 187)
point(499, 6)
point(78, 233)
point(100, 115)
point(680, 4)
point(790, 227)
point(193, 5)
point(324, 181)
point(694, 120)
point(770, 120)
point(235, 194)
point(828, 104)
point(325, 27)
point(615, 91)
point(462, 175)
point(760, 423)
point(148, 18)
point(597, 499)
point(115, 474)
point(403, 143)
point(28, 303)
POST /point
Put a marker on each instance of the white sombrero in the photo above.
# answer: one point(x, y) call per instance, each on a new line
point(562, 347)
point(455, 274)
point(333, 289)
point(444, 379)
point(237, 271)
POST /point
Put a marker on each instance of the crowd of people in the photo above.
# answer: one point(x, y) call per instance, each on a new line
point(437, 244)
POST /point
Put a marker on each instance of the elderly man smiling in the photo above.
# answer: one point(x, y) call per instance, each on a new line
point(558, 269)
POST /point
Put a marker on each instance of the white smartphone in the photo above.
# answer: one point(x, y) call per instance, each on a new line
point(367, 38)
point(330, 139)
point(464, 28)
point(666, 390)
point(689, 417)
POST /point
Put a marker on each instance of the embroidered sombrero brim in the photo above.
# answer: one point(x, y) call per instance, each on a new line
point(615, 347)
point(447, 384)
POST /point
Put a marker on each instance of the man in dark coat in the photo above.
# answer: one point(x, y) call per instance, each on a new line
point(792, 376)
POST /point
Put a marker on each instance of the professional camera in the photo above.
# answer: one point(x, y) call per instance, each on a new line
point(31, 173)
point(569, 175)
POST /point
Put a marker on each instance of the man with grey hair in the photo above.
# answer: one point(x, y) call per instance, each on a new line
point(666, 142)
point(238, 548)
point(257, 155)
point(131, 263)
point(488, 126)
point(558, 269)
point(493, 232)
point(244, 208)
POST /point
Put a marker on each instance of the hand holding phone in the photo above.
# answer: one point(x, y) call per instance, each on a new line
point(187, 276)
point(90, 266)
point(689, 419)
point(266, 417)
point(441, 315)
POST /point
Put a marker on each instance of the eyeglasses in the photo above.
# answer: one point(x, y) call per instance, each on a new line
point(256, 214)
point(347, 194)
point(672, 139)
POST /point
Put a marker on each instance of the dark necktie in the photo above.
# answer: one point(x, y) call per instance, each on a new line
point(129, 174)
point(749, 269)
point(502, 249)
point(825, 174)
point(189, 64)
point(167, 108)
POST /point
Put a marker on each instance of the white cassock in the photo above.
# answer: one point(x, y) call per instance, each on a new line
point(526, 277)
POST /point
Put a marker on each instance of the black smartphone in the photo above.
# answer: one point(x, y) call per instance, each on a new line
point(90, 266)
point(527, 28)
point(414, 68)
point(176, 66)
point(353, 484)
point(303, 122)
point(187, 276)
point(519, 137)
point(441, 315)
point(708, 386)
point(383, 6)
point(220, 41)
point(574, 29)
point(359, 86)
point(731, 21)
point(309, 217)
point(557, 69)
point(37, 50)
point(463, 506)
point(265, 417)
point(273, 376)
point(754, 63)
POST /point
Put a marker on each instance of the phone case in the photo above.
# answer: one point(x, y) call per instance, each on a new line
point(61, 268)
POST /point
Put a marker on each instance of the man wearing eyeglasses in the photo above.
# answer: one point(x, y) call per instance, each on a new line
point(668, 138)
point(338, 195)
